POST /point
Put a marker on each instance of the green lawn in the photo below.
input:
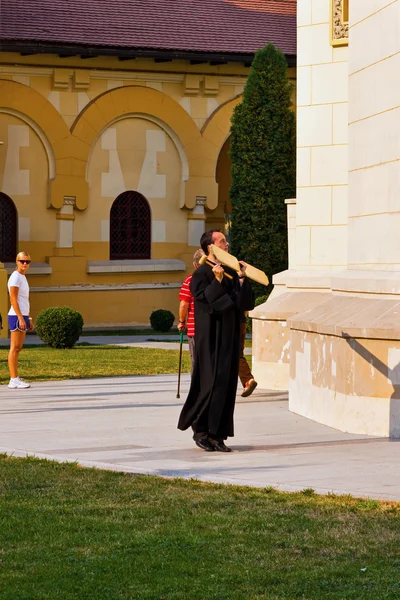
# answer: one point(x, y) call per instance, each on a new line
point(41, 363)
point(77, 534)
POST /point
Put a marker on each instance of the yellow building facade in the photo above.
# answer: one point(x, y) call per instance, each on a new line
point(74, 140)
point(86, 143)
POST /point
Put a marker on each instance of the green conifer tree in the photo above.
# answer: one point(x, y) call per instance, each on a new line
point(263, 155)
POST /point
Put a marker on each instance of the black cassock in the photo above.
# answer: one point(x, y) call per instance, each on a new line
point(217, 309)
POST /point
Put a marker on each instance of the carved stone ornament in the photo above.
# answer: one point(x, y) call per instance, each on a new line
point(69, 201)
point(340, 29)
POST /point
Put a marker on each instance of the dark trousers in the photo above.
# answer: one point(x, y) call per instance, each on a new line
point(244, 369)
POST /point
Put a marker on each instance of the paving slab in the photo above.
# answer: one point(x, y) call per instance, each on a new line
point(129, 424)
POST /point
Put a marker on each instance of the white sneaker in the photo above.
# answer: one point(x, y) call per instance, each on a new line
point(18, 383)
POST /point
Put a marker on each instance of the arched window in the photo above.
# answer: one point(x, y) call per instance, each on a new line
point(130, 227)
point(8, 229)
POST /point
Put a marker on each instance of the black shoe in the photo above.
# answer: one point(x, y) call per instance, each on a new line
point(203, 443)
point(219, 445)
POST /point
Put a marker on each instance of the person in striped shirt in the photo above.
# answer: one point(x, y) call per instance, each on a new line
point(186, 306)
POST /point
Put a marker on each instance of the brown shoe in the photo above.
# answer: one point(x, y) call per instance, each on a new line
point(249, 388)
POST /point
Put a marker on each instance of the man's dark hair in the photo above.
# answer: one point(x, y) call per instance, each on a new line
point(207, 239)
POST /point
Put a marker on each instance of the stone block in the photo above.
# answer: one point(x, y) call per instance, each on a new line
point(380, 28)
point(339, 204)
point(375, 140)
point(341, 54)
point(313, 45)
point(303, 245)
point(340, 123)
point(303, 86)
point(329, 165)
point(303, 169)
point(369, 191)
point(329, 245)
point(374, 240)
point(313, 206)
point(320, 11)
point(314, 125)
point(329, 83)
point(361, 100)
point(304, 12)
point(386, 96)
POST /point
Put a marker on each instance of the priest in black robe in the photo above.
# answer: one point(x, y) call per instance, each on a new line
point(219, 302)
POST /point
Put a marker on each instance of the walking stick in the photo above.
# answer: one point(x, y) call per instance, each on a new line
point(180, 363)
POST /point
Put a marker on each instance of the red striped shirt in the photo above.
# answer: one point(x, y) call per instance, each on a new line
point(186, 296)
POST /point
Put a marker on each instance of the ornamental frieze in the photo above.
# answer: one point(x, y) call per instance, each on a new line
point(339, 22)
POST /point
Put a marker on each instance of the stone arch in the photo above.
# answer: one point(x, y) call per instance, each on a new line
point(37, 108)
point(153, 104)
point(41, 135)
point(68, 151)
point(216, 131)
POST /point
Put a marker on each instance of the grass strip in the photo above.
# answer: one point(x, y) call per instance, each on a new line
point(41, 363)
point(73, 533)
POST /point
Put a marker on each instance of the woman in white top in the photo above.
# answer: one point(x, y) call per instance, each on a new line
point(19, 321)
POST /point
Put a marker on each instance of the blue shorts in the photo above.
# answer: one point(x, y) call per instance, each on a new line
point(13, 323)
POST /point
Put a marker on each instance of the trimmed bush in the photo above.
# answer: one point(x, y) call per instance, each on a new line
point(162, 320)
point(59, 326)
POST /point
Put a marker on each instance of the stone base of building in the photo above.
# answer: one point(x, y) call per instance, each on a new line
point(337, 351)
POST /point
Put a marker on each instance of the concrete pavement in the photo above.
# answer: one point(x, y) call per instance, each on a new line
point(129, 424)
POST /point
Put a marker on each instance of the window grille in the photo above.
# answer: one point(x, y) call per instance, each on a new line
point(130, 227)
point(8, 229)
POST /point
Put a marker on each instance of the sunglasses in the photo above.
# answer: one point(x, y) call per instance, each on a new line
point(25, 262)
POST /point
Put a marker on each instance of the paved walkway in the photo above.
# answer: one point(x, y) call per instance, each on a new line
point(129, 424)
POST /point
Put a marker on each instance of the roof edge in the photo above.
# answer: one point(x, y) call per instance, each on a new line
point(31, 47)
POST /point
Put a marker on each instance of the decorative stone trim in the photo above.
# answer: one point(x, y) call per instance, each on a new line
point(339, 27)
point(61, 79)
point(36, 268)
point(192, 85)
point(135, 266)
point(81, 80)
point(211, 85)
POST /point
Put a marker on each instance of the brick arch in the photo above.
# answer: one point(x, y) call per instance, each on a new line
point(23, 100)
point(139, 100)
